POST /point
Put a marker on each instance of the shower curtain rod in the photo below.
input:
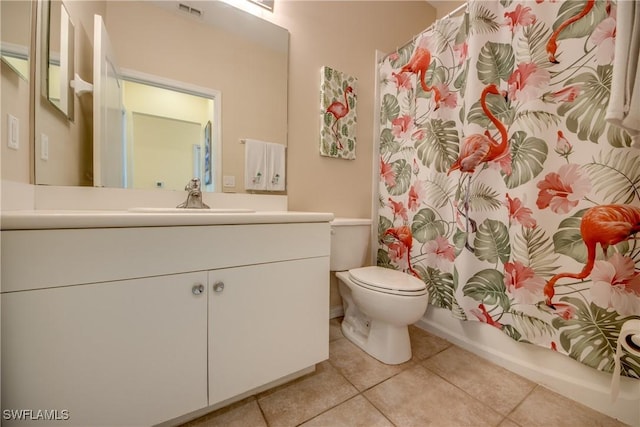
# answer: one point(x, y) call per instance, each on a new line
point(454, 11)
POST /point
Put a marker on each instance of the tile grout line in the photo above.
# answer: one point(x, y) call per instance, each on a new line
point(417, 361)
point(264, 417)
point(522, 401)
point(464, 391)
point(361, 392)
point(379, 410)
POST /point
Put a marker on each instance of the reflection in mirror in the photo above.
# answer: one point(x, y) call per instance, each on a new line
point(226, 50)
point(15, 35)
point(60, 58)
point(168, 137)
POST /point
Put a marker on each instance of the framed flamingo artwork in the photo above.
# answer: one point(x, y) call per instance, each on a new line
point(338, 114)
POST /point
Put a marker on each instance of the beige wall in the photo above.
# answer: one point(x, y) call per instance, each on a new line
point(343, 35)
point(445, 6)
point(15, 101)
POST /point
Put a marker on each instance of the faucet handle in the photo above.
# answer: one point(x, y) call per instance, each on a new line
point(193, 184)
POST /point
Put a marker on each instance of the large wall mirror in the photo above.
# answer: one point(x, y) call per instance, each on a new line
point(211, 45)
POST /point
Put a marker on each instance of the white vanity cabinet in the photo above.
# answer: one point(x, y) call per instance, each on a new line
point(123, 326)
point(264, 323)
point(129, 352)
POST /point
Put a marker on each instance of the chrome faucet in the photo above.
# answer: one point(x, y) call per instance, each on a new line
point(194, 197)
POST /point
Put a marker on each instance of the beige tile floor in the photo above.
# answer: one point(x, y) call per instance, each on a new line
point(442, 385)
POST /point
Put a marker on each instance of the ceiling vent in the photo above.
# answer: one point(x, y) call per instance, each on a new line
point(190, 10)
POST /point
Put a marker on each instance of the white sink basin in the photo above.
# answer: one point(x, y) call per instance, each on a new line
point(190, 211)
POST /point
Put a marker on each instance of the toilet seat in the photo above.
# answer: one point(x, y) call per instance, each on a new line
point(388, 281)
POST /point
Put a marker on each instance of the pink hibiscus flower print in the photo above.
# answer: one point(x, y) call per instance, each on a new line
point(561, 191)
point(567, 94)
point(604, 38)
point(461, 52)
point(415, 168)
point(398, 254)
point(504, 163)
point(416, 196)
point(402, 126)
point(563, 146)
point(527, 82)
point(519, 213)
point(616, 285)
point(521, 16)
point(402, 80)
point(440, 253)
point(398, 209)
point(418, 134)
point(563, 310)
point(447, 98)
point(387, 174)
point(522, 283)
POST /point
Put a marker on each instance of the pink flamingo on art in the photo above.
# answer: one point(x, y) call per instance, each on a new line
point(478, 149)
point(419, 64)
point(339, 110)
point(552, 44)
point(604, 224)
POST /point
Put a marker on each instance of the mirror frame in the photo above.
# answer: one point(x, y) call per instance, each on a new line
point(66, 59)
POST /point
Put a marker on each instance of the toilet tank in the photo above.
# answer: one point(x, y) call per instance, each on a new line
point(349, 243)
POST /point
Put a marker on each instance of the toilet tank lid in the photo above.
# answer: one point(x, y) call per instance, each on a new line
point(342, 222)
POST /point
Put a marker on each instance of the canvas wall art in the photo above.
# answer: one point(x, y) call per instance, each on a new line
point(338, 114)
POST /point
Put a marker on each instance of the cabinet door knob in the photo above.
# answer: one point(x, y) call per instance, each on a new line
point(218, 287)
point(197, 289)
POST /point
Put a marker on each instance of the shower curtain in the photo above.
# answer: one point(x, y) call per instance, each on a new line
point(499, 174)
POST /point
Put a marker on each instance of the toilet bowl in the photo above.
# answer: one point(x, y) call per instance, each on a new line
point(379, 303)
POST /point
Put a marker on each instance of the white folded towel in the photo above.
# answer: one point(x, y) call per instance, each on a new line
point(276, 167)
point(255, 165)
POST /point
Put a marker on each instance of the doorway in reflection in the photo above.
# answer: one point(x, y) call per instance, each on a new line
point(170, 137)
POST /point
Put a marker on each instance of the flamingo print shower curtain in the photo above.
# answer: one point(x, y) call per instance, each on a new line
point(502, 186)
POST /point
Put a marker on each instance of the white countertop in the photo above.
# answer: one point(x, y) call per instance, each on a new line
point(54, 219)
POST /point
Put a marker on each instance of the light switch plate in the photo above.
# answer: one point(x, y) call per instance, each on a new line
point(13, 132)
point(229, 181)
point(44, 147)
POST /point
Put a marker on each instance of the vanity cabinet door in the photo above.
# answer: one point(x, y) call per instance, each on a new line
point(266, 321)
point(131, 352)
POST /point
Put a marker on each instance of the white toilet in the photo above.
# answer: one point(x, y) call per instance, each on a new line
point(379, 303)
